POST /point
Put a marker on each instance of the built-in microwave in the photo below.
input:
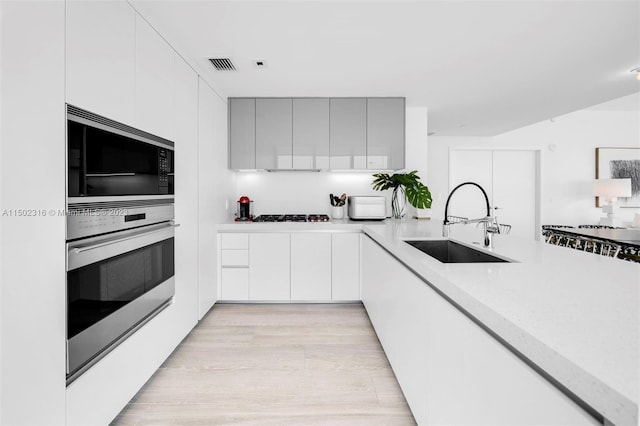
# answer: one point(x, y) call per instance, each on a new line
point(107, 158)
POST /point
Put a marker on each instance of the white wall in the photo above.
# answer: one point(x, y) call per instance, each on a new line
point(567, 145)
point(308, 192)
point(33, 180)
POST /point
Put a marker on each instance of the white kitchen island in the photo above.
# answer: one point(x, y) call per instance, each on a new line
point(471, 343)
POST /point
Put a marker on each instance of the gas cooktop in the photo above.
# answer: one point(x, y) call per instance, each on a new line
point(292, 218)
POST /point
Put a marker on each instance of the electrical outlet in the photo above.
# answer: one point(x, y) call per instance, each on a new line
point(226, 205)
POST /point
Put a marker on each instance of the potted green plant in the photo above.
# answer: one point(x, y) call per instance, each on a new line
point(406, 187)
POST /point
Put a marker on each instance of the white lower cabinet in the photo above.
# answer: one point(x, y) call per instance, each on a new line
point(296, 266)
point(396, 302)
point(311, 266)
point(452, 372)
point(345, 266)
point(239, 241)
point(269, 266)
point(235, 284)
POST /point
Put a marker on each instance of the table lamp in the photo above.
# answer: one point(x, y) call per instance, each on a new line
point(609, 190)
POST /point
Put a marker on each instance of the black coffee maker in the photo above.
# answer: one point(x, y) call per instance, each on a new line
point(244, 210)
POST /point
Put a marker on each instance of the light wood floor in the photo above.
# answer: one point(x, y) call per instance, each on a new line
point(274, 365)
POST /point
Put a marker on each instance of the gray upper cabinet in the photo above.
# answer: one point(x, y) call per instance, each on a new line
point(311, 133)
point(317, 133)
point(385, 133)
point(274, 133)
point(242, 133)
point(348, 133)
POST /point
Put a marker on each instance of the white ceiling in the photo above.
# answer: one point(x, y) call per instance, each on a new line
point(480, 67)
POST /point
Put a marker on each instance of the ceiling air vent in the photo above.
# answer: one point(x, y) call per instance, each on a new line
point(222, 64)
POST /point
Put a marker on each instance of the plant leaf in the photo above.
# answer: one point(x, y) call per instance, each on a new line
point(383, 181)
point(418, 196)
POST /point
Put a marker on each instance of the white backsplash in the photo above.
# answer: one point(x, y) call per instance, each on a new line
point(301, 192)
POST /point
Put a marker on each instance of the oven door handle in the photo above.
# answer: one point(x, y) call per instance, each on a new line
point(82, 253)
point(120, 240)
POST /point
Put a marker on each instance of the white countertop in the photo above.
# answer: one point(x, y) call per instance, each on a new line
point(574, 314)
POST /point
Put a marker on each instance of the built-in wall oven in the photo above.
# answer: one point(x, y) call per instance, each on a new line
point(120, 234)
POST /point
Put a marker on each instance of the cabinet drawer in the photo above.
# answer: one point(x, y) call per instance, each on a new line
point(235, 284)
point(235, 258)
point(235, 241)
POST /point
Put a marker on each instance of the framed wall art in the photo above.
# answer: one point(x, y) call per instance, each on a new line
point(619, 163)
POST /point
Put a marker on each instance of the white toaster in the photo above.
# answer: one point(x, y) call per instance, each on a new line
point(362, 207)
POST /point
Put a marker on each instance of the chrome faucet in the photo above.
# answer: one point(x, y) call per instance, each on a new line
point(489, 222)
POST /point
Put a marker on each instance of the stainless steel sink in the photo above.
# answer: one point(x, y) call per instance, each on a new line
point(447, 251)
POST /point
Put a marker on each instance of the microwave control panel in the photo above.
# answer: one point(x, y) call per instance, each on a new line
point(163, 168)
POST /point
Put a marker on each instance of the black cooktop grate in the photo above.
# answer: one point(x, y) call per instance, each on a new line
point(292, 218)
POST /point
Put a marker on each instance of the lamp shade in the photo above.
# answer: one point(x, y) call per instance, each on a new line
point(612, 188)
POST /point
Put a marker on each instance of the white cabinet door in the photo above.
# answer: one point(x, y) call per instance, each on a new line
point(310, 266)
point(274, 133)
point(396, 303)
point(207, 238)
point(233, 241)
point(515, 192)
point(100, 58)
point(345, 266)
point(154, 81)
point(185, 121)
point(234, 284)
point(269, 266)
